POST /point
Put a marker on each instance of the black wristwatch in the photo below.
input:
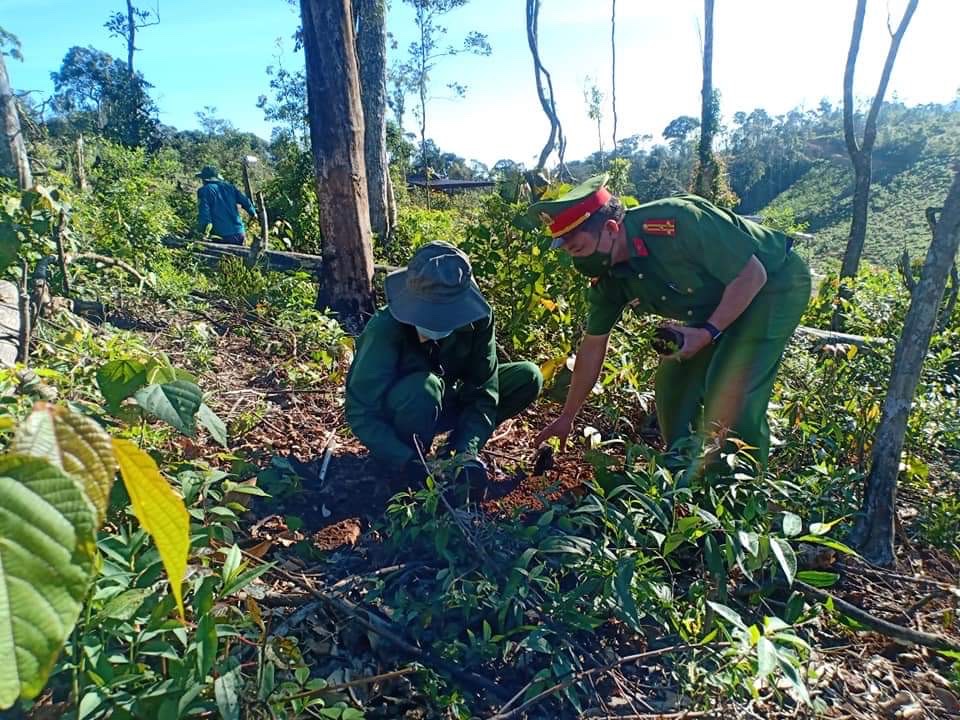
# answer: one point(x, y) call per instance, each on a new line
point(714, 331)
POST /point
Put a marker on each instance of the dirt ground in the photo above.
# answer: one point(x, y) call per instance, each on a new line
point(343, 494)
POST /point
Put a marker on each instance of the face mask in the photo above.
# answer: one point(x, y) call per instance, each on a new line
point(593, 265)
point(432, 334)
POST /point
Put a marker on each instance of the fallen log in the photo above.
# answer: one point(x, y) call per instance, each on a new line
point(10, 320)
point(831, 337)
point(274, 260)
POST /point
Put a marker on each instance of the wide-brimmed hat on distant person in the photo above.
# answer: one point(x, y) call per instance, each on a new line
point(209, 172)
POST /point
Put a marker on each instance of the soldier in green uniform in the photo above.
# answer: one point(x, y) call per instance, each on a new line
point(427, 363)
point(735, 287)
point(217, 212)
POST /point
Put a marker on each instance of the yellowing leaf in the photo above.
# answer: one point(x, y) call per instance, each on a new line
point(550, 367)
point(548, 304)
point(74, 443)
point(159, 509)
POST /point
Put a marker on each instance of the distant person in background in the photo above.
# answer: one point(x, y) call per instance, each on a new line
point(217, 200)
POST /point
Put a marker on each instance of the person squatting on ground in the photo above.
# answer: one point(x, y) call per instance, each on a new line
point(426, 363)
point(217, 212)
point(736, 286)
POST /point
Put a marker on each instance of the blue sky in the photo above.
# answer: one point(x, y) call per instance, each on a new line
point(775, 54)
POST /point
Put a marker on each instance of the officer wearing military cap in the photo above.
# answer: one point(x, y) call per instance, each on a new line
point(734, 287)
point(217, 212)
point(427, 363)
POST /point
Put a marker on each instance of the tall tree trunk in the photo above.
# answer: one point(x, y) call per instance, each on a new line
point(13, 150)
point(860, 155)
point(131, 37)
point(544, 90)
point(336, 135)
point(706, 169)
point(613, 70)
point(874, 531)
point(372, 56)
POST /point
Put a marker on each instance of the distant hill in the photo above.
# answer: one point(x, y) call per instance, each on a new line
point(916, 149)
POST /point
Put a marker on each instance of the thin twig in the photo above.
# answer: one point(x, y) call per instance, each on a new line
point(682, 715)
point(329, 445)
point(572, 678)
point(114, 262)
point(387, 630)
point(892, 630)
point(353, 683)
point(883, 573)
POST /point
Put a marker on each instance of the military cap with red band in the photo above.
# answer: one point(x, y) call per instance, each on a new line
point(567, 212)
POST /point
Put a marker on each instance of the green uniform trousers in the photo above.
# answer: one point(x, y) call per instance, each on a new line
point(728, 385)
point(421, 404)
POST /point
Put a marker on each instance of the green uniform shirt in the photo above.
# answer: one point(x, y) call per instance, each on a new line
point(387, 350)
point(684, 251)
point(217, 202)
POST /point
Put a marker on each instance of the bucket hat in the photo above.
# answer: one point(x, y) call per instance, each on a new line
point(436, 290)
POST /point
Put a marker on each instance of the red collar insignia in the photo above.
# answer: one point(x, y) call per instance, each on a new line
point(640, 247)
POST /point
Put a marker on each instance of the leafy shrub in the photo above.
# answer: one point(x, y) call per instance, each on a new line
point(538, 298)
point(131, 204)
point(291, 197)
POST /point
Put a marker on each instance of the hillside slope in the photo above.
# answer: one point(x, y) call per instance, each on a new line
point(911, 171)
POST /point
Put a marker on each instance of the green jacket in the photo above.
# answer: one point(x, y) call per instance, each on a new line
point(388, 350)
point(217, 202)
point(684, 251)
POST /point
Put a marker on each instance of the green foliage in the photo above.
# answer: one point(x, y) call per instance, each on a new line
point(27, 221)
point(131, 205)
point(45, 562)
point(534, 291)
point(97, 93)
point(292, 197)
point(525, 593)
point(238, 283)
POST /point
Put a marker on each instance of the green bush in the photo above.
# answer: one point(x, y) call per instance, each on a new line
point(131, 204)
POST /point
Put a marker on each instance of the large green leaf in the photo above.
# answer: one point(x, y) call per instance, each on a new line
point(74, 443)
point(176, 403)
point(228, 689)
point(214, 425)
point(119, 379)
point(46, 558)
point(786, 557)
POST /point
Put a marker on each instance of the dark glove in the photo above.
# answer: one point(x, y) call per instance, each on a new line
point(472, 477)
point(410, 477)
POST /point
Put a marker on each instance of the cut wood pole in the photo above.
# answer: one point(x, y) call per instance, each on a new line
point(58, 237)
point(246, 178)
point(260, 243)
point(80, 171)
point(25, 327)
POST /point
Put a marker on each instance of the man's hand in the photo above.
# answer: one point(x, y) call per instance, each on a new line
point(559, 428)
point(694, 340)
